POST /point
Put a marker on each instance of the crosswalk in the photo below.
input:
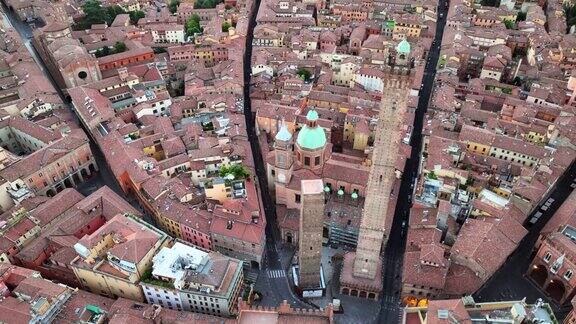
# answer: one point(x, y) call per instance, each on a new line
point(276, 273)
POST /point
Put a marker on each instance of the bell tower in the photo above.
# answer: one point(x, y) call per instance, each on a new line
point(284, 155)
point(403, 53)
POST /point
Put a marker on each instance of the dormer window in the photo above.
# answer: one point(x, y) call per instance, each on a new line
point(568, 274)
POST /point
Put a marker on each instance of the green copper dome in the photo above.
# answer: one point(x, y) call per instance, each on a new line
point(283, 134)
point(403, 47)
point(312, 115)
point(311, 138)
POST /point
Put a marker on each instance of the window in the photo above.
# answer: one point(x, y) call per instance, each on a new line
point(568, 275)
point(297, 198)
point(306, 160)
point(547, 257)
point(317, 160)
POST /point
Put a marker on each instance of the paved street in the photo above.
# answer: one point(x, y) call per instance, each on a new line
point(277, 289)
point(394, 252)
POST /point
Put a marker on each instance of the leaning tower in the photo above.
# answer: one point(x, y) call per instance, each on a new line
point(362, 272)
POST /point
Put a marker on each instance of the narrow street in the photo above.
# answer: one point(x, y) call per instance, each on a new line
point(279, 288)
point(394, 252)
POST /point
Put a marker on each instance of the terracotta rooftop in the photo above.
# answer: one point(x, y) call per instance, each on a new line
point(134, 240)
point(44, 156)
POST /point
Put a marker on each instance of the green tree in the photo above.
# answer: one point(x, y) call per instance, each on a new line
point(136, 15)
point(225, 26)
point(304, 74)
point(111, 13)
point(94, 13)
point(570, 13)
point(237, 170)
point(93, 10)
point(103, 51)
point(521, 16)
point(206, 4)
point(193, 25)
point(173, 5)
point(509, 24)
point(119, 47)
point(491, 3)
point(432, 175)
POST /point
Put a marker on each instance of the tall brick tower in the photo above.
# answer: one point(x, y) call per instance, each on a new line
point(373, 227)
point(362, 271)
point(310, 243)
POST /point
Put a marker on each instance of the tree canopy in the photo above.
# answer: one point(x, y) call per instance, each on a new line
point(95, 13)
point(226, 26)
point(206, 4)
point(570, 13)
point(136, 15)
point(237, 170)
point(119, 47)
point(509, 24)
point(304, 74)
point(193, 25)
point(173, 5)
point(491, 3)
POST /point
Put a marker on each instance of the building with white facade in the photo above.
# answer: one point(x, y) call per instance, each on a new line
point(168, 33)
point(187, 278)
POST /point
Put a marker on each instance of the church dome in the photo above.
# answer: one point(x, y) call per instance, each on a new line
point(312, 115)
point(311, 136)
point(283, 134)
point(403, 47)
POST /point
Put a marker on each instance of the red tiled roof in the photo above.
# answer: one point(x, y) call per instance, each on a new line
point(137, 240)
point(461, 280)
point(455, 307)
point(45, 156)
point(38, 287)
point(13, 310)
point(127, 54)
point(419, 236)
point(57, 205)
point(419, 274)
point(565, 215)
point(488, 242)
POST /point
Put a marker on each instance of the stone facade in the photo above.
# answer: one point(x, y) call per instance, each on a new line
point(311, 224)
point(554, 264)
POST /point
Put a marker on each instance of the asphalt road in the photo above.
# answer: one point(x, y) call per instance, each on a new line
point(394, 252)
point(280, 287)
